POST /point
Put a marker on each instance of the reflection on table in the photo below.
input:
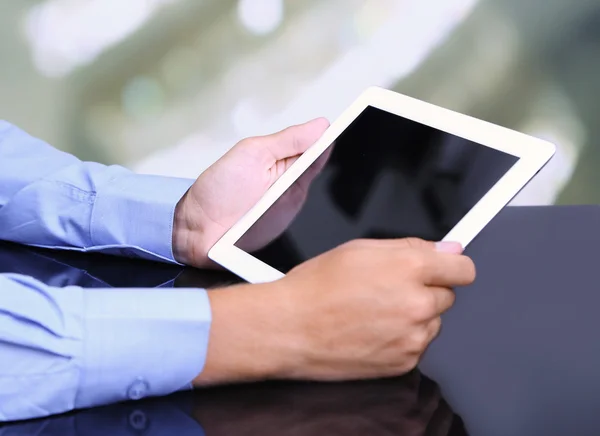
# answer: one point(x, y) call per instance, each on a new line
point(410, 405)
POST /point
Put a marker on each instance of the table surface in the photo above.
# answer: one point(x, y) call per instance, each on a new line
point(518, 354)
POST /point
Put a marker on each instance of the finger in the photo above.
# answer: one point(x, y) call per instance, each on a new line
point(398, 244)
point(441, 263)
point(421, 244)
point(447, 270)
point(294, 140)
point(434, 328)
point(443, 298)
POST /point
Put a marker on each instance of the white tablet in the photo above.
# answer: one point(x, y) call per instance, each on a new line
point(389, 167)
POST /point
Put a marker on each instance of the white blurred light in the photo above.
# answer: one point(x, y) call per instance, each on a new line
point(411, 31)
point(200, 151)
point(372, 15)
point(387, 52)
point(261, 16)
point(65, 34)
point(245, 116)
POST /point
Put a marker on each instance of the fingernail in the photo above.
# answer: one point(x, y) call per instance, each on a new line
point(449, 247)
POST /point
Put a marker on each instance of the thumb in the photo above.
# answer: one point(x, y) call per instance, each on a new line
point(295, 140)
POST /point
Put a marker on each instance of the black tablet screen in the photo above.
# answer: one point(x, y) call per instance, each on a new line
point(384, 177)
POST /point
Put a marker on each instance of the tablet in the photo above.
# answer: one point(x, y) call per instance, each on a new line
point(389, 167)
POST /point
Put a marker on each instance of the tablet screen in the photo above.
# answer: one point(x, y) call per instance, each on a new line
point(384, 177)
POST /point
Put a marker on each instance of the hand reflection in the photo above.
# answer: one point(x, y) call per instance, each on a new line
point(283, 212)
point(411, 405)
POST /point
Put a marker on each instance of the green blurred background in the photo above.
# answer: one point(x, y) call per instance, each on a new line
point(167, 86)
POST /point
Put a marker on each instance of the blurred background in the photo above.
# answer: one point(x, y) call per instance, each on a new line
point(167, 86)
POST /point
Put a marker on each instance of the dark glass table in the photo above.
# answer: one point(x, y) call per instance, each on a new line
point(517, 355)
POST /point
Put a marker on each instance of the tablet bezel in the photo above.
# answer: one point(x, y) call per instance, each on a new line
point(533, 154)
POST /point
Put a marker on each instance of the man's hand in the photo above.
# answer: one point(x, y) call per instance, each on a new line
point(367, 309)
point(234, 184)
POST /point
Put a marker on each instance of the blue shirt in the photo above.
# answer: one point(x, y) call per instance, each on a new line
point(63, 348)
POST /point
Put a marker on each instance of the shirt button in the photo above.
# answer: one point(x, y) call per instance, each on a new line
point(138, 420)
point(138, 389)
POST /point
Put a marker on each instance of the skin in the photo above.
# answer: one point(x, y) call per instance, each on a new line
point(366, 309)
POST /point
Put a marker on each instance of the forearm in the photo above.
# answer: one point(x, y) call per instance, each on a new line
point(50, 198)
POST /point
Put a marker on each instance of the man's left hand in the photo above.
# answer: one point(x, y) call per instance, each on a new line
point(234, 184)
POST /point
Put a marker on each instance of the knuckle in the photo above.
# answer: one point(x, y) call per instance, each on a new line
point(419, 340)
point(349, 253)
point(355, 243)
point(470, 270)
point(253, 147)
point(422, 337)
point(410, 363)
point(435, 327)
point(416, 262)
point(465, 270)
point(451, 298)
point(415, 243)
point(423, 306)
point(249, 144)
point(357, 248)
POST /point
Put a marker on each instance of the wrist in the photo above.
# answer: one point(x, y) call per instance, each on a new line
point(253, 335)
point(188, 247)
point(181, 233)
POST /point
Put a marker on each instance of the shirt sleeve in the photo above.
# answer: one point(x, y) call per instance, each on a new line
point(52, 199)
point(69, 348)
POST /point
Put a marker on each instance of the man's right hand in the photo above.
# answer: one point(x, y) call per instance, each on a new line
point(366, 309)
